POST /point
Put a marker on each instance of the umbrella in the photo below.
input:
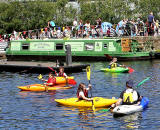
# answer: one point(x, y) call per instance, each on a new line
point(52, 23)
point(119, 25)
point(105, 26)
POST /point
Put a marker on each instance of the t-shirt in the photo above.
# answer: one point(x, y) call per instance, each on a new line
point(81, 94)
point(150, 18)
point(75, 23)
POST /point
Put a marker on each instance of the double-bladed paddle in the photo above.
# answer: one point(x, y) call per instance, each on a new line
point(88, 70)
point(40, 77)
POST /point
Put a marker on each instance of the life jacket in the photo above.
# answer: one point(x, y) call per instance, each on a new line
point(128, 98)
point(51, 80)
point(85, 94)
point(114, 65)
point(61, 74)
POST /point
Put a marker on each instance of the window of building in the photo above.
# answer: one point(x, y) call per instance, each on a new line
point(59, 46)
point(89, 46)
point(25, 46)
point(105, 45)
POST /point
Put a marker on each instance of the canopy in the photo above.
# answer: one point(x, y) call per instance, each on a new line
point(119, 25)
point(105, 26)
point(125, 28)
point(52, 24)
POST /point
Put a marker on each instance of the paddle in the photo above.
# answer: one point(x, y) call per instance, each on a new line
point(69, 81)
point(131, 70)
point(52, 70)
point(40, 78)
point(142, 82)
point(88, 77)
point(105, 110)
point(139, 84)
point(72, 81)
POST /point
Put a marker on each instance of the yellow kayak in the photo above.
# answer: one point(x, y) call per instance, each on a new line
point(62, 80)
point(98, 102)
point(40, 87)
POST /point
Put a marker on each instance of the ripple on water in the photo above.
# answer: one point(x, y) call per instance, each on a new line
point(38, 110)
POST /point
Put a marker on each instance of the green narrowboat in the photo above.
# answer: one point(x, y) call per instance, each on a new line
point(82, 49)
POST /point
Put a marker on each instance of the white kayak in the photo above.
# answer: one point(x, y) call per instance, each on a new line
point(128, 109)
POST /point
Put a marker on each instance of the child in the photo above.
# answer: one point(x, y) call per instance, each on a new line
point(61, 72)
point(82, 92)
point(51, 80)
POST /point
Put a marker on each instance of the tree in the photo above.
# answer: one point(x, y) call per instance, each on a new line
point(30, 15)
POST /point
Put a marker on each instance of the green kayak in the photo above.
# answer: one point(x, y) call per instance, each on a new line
point(116, 70)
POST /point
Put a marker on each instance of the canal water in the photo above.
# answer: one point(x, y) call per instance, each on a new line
point(38, 110)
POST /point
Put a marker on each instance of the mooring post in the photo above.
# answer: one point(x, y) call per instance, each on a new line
point(68, 55)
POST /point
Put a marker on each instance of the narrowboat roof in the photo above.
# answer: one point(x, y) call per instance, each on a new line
point(67, 40)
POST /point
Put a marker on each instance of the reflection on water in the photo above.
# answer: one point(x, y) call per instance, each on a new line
point(38, 110)
point(130, 121)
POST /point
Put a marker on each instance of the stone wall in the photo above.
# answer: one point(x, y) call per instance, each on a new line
point(154, 40)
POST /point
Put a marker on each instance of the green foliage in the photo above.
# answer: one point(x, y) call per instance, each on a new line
point(30, 15)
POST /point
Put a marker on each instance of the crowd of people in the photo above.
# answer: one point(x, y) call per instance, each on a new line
point(79, 29)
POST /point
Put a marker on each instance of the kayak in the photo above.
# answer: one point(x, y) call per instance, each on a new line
point(98, 102)
point(115, 70)
point(62, 80)
point(40, 87)
point(129, 109)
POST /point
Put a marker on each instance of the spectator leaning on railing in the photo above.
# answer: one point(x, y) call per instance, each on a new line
point(81, 30)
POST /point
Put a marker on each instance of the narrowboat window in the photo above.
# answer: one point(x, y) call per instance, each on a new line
point(89, 46)
point(25, 46)
point(105, 45)
point(59, 46)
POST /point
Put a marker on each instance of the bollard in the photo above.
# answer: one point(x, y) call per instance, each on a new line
point(68, 55)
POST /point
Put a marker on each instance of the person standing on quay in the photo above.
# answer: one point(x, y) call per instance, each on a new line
point(151, 19)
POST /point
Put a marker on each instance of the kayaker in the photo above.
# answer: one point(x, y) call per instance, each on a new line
point(114, 64)
point(82, 92)
point(129, 96)
point(61, 72)
point(51, 80)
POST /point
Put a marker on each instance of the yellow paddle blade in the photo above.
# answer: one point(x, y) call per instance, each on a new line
point(88, 70)
point(40, 76)
point(93, 108)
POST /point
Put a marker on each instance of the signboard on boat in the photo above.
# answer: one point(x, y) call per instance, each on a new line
point(111, 47)
point(76, 46)
point(98, 46)
point(16, 46)
point(41, 46)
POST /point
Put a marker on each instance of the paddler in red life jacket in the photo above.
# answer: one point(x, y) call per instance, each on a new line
point(129, 96)
point(51, 80)
point(82, 92)
point(61, 72)
point(114, 64)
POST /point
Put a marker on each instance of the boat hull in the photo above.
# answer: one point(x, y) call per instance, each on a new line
point(40, 87)
point(127, 57)
point(129, 109)
point(81, 49)
point(98, 102)
point(62, 59)
point(116, 70)
point(157, 55)
point(63, 80)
